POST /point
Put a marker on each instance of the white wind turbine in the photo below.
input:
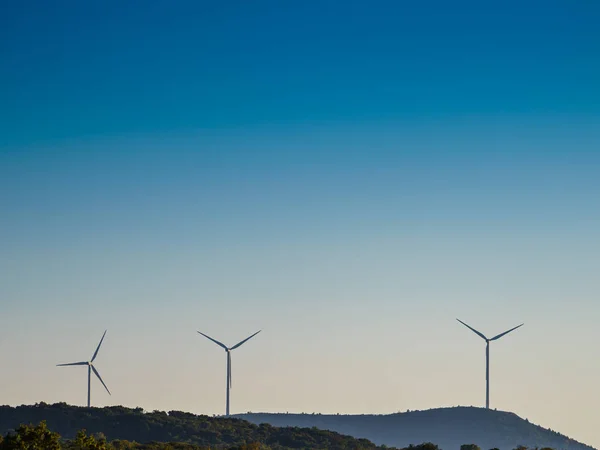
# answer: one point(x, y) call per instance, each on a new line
point(487, 357)
point(228, 350)
point(91, 369)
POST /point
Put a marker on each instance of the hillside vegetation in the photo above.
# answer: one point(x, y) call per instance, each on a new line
point(447, 427)
point(126, 428)
point(60, 426)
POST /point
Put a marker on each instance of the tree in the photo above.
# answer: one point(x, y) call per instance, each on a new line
point(31, 437)
point(423, 446)
point(469, 447)
point(84, 442)
point(123, 445)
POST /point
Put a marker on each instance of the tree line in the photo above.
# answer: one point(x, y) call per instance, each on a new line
point(40, 437)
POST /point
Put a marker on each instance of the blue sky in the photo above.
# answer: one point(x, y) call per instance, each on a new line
point(346, 178)
point(152, 66)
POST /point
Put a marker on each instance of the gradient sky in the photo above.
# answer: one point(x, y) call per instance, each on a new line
point(349, 178)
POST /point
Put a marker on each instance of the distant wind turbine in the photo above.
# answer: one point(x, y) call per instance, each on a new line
point(228, 350)
point(487, 356)
point(91, 369)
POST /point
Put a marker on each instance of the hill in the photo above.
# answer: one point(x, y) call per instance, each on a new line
point(446, 427)
point(120, 423)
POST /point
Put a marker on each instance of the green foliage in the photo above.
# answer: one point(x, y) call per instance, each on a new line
point(31, 437)
point(469, 447)
point(423, 446)
point(132, 429)
point(39, 437)
point(84, 442)
point(162, 431)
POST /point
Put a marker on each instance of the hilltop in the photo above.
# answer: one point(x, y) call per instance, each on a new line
point(446, 427)
point(118, 423)
point(449, 428)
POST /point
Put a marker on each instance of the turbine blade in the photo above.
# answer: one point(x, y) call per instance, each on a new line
point(82, 363)
point(506, 332)
point(229, 369)
point(473, 330)
point(100, 378)
point(98, 348)
point(214, 340)
point(240, 343)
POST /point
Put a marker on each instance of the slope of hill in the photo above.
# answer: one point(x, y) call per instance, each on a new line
point(120, 423)
point(446, 427)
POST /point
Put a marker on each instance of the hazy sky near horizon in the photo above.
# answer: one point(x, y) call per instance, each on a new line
point(349, 179)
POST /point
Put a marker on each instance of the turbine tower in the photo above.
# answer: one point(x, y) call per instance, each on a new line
point(91, 369)
point(487, 356)
point(228, 351)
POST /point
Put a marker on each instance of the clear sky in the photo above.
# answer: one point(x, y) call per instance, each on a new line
point(348, 177)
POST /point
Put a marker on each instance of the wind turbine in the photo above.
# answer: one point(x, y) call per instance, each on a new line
point(91, 369)
point(228, 350)
point(487, 356)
